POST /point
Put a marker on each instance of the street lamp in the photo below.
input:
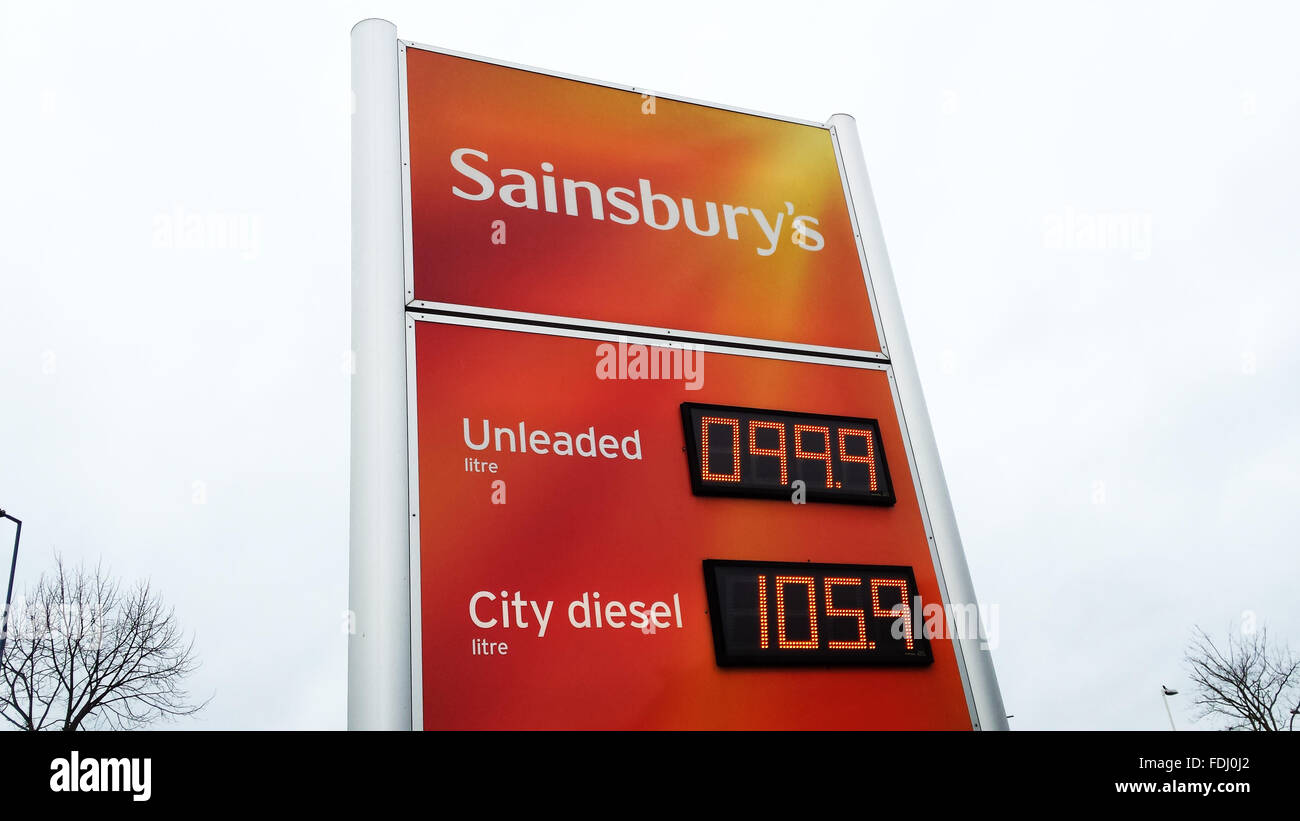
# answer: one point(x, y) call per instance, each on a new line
point(1167, 692)
point(9, 593)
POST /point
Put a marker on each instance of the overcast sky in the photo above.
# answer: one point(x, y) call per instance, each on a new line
point(1117, 416)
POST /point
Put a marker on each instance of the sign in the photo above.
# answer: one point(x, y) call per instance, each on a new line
point(546, 195)
point(561, 548)
point(645, 460)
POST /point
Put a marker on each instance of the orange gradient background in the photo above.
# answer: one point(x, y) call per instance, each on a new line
point(577, 266)
point(632, 530)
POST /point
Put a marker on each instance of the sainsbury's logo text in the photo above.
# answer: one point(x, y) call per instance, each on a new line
point(628, 206)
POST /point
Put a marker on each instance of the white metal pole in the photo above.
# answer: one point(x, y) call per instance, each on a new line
point(379, 649)
point(1168, 712)
point(961, 591)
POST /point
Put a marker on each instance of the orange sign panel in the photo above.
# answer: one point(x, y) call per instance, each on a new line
point(546, 195)
point(571, 577)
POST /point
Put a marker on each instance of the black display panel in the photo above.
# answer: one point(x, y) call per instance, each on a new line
point(771, 614)
point(761, 453)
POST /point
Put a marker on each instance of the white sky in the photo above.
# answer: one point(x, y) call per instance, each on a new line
point(1117, 423)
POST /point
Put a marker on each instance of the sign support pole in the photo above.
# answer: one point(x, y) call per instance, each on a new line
point(379, 640)
point(961, 590)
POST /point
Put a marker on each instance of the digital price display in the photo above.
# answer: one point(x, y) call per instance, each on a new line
point(761, 454)
point(768, 614)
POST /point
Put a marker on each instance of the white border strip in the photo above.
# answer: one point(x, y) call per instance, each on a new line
point(935, 560)
point(989, 712)
point(413, 470)
point(379, 645)
point(857, 238)
point(688, 336)
point(408, 240)
point(476, 322)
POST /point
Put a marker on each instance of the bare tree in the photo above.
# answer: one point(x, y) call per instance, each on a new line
point(83, 653)
point(1250, 682)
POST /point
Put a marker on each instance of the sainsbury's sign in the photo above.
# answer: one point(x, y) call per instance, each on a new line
point(571, 199)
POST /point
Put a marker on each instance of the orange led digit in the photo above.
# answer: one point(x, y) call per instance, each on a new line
point(778, 451)
point(869, 460)
point(823, 456)
point(862, 641)
point(790, 644)
point(902, 610)
point(762, 612)
point(705, 473)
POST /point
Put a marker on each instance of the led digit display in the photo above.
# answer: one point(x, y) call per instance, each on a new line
point(762, 453)
point(799, 613)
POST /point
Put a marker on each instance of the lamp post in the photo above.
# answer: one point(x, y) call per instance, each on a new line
point(9, 592)
point(1166, 692)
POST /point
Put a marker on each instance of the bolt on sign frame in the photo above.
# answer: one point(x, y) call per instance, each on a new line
point(513, 226)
